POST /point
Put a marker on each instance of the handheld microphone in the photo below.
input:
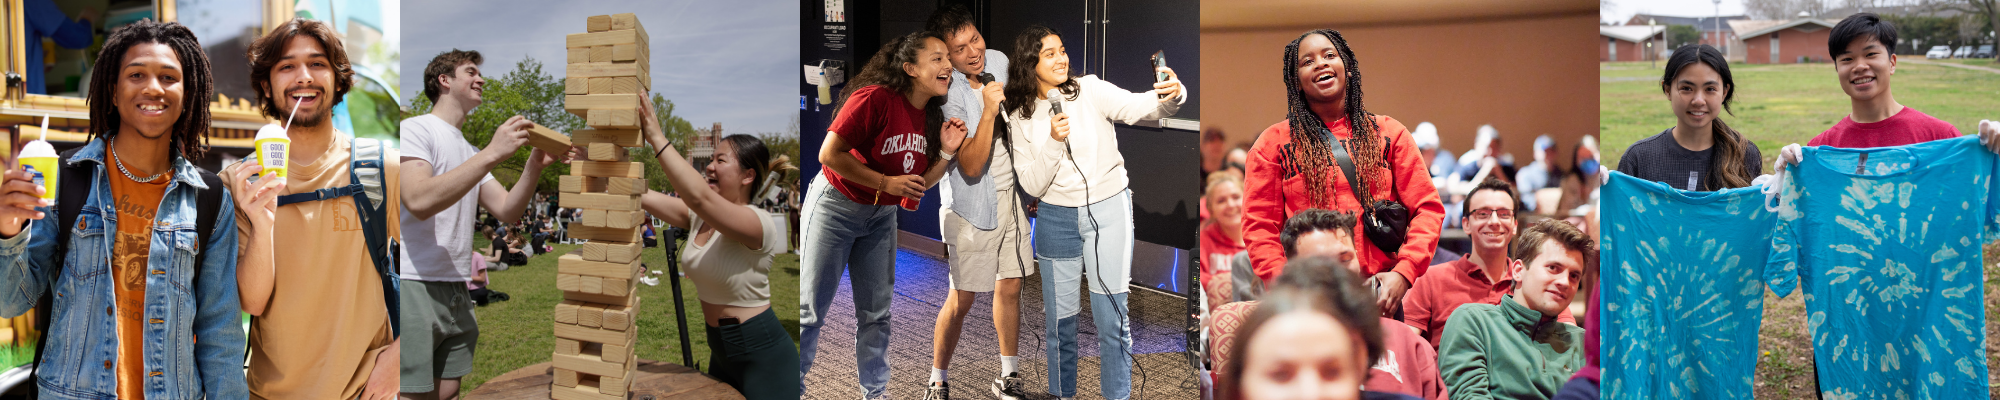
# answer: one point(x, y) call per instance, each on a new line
point(1055, 102)
point(985, 78)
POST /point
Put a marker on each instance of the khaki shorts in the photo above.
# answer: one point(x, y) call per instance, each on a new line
point(981, 257)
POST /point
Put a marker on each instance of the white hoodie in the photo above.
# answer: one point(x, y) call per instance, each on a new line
point(1044, 167)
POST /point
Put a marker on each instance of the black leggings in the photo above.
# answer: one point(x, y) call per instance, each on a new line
point(756, 357)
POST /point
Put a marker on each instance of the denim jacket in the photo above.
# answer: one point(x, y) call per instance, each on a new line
point(183, 301)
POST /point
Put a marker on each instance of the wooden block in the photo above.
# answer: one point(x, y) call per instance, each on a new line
point(600, 201)
point(607, 169)
point(582, 85)
point(620, 318)
point(594, 297)
point(620, 137)
point(569, 282)
point(574, 263)
point(615, 287)
point(587, 102)
point(583, 184)
point(626, 85)
point(624, 219)
point(616, 353)
point(565, 311)
point(591, 217)
point(589, 316)
point(605, 38)
point(601, 53)
point(588, 364)
point(565, 378)
point(611, 70)
point(624, 21)
point(580, 55)
point(597, 23)
point(618, 253)
point(591, 86)
point(582, 391)
point(625, 186)
point(626, 52)
point(548, 140)
point(612, 119)
point(603, 70)
point(594, 335)
point(607, 152)
point(581, 231)
point(621, 383)
point(568, 346)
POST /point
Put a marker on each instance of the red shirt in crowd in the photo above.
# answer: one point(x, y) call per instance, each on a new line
point(887, 134)
point(1430, 302)
point(1408, 364)
point(1217, 251)
point(1906, 127)
point(1269, 197)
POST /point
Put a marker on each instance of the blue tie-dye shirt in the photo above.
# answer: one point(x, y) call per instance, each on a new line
point(1885, 243)
point(1683, 284)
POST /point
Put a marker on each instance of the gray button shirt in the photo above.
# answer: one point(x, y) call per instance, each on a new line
point(975, 198)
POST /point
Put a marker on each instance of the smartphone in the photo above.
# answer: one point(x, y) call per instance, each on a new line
point(1159, 60)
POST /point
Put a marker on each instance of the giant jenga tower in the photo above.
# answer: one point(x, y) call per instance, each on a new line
point(595, 324)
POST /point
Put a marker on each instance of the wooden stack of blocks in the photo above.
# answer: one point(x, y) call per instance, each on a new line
point(596, 323)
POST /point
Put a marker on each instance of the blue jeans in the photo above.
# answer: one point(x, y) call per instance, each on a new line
point(1094, 240)
point(840, 235)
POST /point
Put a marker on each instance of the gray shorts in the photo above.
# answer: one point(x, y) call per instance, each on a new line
point(443, 332)
point(981, 257)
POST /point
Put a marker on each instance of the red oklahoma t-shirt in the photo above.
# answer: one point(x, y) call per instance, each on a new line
point(887, 135)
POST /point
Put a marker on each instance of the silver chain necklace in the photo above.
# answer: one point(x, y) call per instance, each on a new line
point(128, 174)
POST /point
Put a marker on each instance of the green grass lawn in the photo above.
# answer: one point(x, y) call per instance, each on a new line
point(1782, 104)
point(517, 333)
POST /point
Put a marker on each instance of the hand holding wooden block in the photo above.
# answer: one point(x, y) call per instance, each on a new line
point(551, 142)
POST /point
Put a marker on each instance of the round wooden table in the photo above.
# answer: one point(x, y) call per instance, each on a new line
point(657, 380)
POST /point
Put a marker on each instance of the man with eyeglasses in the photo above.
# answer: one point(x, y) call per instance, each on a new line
point(1481, 277)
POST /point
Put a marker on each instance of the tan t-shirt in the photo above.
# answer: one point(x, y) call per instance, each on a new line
point(326, 322)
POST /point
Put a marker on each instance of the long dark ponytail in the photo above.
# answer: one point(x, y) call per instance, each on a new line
point(1727, 162)
point(885, 69)
point(1311, 152)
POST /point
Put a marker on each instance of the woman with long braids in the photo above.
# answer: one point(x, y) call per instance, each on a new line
point(1293, 168)
point(1084, 224)
point(885, 145)
point(1699, 152)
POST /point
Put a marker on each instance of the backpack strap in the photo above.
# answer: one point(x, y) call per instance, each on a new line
point(368, 176)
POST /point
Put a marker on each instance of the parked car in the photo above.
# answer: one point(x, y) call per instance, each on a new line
point(1984, 51)
point(1938, 52)
point(1962, 52)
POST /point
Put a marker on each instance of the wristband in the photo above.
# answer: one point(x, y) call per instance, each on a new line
point(662, 150)
point(948, 156)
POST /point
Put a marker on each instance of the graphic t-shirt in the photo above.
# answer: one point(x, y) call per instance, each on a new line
point(137, 203)
point(1885, 243)
point(1683, 280)
point(887, 134)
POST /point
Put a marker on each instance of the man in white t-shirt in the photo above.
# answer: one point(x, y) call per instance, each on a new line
point(443, 175)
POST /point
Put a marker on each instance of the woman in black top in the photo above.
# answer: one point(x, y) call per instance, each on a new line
point(1700, 152)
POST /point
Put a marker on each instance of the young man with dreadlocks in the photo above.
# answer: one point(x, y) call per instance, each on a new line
point(1293, 168)
point(1070, 160)
point(326, 325)
point(140, 233)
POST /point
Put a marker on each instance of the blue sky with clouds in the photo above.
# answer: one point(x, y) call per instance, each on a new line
point(734, 62)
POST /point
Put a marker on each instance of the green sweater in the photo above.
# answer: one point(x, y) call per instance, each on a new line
point(1507, 351)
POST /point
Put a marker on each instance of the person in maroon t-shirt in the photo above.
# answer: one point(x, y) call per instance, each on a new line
point(1864, 61)
point(882, 150)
